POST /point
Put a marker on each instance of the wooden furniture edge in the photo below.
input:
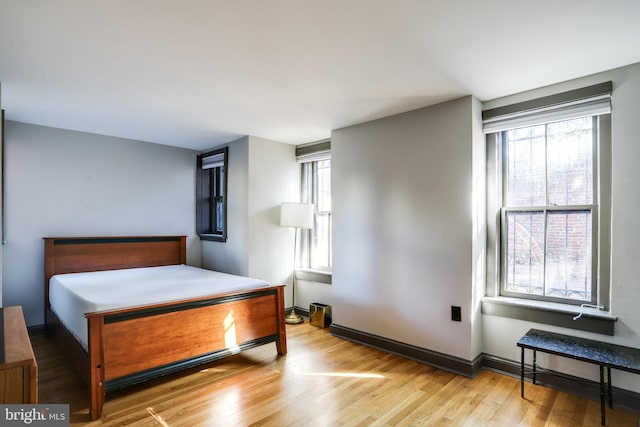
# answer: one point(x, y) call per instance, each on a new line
point(102, 378)
point(18, 352)
point(70, 346)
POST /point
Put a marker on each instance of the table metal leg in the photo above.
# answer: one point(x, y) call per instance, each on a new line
point(522, 372)
point(534, 367)
point(602, 403)
point(610, 387)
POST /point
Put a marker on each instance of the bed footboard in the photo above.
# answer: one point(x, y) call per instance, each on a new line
point(130, 346)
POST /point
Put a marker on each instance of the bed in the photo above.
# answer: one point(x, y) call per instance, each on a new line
point(123, 345)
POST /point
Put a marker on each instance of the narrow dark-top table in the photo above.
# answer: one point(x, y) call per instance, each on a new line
point(605, 355)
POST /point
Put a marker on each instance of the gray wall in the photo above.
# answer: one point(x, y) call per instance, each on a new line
point(66, 183)
point(500, 333)
point(262, 174)
point(403, 227)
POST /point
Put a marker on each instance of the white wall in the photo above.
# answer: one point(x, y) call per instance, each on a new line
point(262, 174)
point(66, 183)
point(403, 227)
point(479, 225)
point(274, 177)
point(232, 256)
point(500, 334)
point(308, 292)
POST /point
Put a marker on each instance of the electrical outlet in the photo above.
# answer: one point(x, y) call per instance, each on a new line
point(456, 313)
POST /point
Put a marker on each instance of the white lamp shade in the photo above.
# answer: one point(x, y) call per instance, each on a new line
point(299, 215)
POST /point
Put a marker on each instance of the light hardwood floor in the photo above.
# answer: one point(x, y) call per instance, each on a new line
point(323, 381)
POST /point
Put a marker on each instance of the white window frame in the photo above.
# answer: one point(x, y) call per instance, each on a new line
point(310, 184)
point(587, 101)
point(308, 156)
point(546, 210)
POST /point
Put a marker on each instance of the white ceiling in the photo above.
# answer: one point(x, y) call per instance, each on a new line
point(198, 73)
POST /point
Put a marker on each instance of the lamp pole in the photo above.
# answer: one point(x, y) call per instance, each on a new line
point(297, 216)
point(293, 318)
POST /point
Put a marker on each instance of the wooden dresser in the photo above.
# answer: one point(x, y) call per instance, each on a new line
point(18, 367)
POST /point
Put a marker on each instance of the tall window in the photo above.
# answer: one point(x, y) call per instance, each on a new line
point(549, 209)
point(554, 210)
point(316, 188)
point(211, 205)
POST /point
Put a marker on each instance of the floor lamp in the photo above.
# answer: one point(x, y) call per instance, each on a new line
point(298, 216)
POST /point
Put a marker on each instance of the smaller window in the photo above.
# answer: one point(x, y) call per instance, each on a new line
point(315, 158)
point(316, 179)
point(211, 193)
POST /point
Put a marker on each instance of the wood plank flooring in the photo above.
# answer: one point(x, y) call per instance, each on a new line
point(323, 381)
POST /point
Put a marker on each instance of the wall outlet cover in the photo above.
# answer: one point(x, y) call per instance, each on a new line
point(456, 313)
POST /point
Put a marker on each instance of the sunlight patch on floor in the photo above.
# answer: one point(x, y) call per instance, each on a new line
point(344, 374)
point(157, 417)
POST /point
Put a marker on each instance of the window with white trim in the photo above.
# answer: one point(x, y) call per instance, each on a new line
point(315, 160)
point(552, 170)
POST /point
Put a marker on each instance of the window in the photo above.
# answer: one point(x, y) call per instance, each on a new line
point(318, 181)
point(549, 209)
point(211, 191)
point(316, 188)
point(552, 165)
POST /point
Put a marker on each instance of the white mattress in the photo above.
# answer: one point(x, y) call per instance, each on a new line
point(74, 294)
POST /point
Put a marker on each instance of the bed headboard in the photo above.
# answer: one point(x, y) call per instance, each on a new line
point(81, 254)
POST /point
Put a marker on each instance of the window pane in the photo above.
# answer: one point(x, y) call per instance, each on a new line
point(569, 255)
point(525, 252)
point(526, 166)
point(570, 146)
point(317, 189)
point(323, 199)
point(219, 215)
point(219, 200)
point(321, 243)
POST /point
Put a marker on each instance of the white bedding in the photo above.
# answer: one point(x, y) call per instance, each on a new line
point(74, 294)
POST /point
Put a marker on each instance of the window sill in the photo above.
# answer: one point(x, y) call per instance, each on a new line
point(592, 320)
point(311, 275)
point(213, 237)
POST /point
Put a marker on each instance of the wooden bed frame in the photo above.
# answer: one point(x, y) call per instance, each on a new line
point(131, 345)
